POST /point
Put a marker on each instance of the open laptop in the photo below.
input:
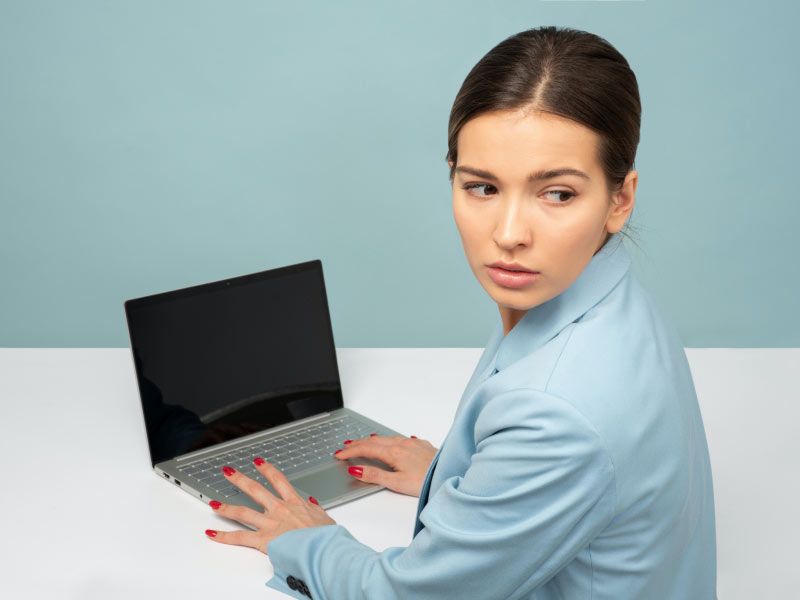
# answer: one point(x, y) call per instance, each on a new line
point(246, 367)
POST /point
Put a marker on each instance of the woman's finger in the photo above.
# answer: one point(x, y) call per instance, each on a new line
point(277, 480)
point(370, 474)
point(384, 440)
point(250, 487)
point(382, 452)
point(242, 514)
point(251, 539)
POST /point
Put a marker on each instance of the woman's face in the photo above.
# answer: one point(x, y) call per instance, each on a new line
point(550, 224)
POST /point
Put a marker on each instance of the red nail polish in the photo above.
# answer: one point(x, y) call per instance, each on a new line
point(215, 504)
point(211, 533)
point(357, 471)
point(413, 436)
point(259, 461)
point(347, 441)
point(228, 470)
point(314, 500)
point(337, 452)
point(372, 434)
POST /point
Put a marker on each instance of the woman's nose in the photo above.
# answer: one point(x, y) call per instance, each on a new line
point(513, 227)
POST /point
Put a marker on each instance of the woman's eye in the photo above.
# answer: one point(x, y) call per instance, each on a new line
point(570, 194)
point(472, 186)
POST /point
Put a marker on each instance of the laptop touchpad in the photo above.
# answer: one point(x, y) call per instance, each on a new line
point(333, 481)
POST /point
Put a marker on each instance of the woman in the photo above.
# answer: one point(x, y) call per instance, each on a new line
point(576, 465)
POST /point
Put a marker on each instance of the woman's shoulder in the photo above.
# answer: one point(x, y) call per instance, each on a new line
point(615, 355)
point(622, 358)
point(619, 370)
point(625, 370)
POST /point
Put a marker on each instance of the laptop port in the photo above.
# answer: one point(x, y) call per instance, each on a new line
point(178, 482)
point(165, 475)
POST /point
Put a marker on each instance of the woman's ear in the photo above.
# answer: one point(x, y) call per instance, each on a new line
point(624, 201)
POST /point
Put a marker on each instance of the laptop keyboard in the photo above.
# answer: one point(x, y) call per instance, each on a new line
point(290, 453)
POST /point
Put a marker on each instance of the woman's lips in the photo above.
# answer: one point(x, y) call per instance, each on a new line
point(512, 279)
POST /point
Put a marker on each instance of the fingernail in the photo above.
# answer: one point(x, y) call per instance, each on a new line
point(228, 470)
point(413, 436)
point(371, 434)
point(215, 504)
point(347, 441)
point(211, 533)
point(357, 471)
point(339, 450)
point(314, 500)
point(258, 460)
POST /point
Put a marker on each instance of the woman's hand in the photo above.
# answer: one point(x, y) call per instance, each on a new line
point(283, 514)
point(409, 457)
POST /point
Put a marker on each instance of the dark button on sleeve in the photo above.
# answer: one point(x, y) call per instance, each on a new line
point(292, 582)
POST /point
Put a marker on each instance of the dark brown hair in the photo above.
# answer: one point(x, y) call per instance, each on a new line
point(567, 72)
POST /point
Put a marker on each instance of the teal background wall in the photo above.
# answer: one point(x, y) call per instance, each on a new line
point(151, 145)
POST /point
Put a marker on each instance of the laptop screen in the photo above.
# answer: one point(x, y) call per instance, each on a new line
point(222, 360)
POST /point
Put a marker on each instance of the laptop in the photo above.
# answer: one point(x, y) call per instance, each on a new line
point(246, 367)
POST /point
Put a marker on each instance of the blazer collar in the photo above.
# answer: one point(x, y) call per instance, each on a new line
point(543, 322)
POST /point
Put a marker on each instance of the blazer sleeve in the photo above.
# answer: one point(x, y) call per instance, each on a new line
point(538, 489)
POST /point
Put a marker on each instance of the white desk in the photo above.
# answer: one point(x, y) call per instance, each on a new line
point(84, 516)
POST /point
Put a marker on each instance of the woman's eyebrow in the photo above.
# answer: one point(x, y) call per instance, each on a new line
point(535, 176)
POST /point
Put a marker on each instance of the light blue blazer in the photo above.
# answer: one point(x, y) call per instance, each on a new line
point(576, 468)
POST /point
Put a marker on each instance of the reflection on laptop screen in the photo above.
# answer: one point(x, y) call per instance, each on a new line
point(222, 360)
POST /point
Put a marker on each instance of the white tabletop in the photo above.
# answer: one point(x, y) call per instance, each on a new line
point(84, 516)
